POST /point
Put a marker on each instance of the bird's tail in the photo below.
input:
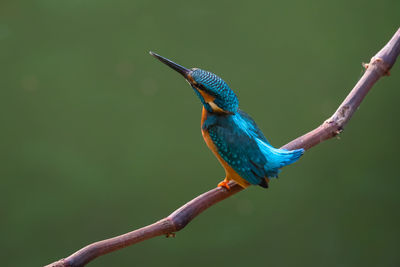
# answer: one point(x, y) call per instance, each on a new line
point(286, 157)
point(278, 158)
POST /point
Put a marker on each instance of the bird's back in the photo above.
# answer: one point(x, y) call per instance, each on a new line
point(239, 144)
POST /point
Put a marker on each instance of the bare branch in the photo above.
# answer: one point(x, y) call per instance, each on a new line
point(379, 66)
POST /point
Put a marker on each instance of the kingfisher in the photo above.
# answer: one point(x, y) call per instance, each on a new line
point(231, 134)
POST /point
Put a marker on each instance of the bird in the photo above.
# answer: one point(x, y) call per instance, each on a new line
point(231, 134)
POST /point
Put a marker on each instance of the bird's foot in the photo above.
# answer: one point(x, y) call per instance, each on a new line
point(224, 183)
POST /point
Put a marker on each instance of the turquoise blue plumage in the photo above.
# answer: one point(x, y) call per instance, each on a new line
point(225, 98)
point(233, 136)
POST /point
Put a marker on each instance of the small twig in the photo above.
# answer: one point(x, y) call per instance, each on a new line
point(379, 66)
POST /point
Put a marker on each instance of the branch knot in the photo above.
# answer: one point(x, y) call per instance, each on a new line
point(379, 65)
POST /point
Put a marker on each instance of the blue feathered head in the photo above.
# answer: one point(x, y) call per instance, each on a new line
point(213, 92)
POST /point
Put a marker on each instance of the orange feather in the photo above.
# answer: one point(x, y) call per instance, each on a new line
point(231, 174)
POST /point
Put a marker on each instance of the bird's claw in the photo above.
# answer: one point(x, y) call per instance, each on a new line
point(224, 183)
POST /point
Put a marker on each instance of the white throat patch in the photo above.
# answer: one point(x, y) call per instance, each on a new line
point(215, 107)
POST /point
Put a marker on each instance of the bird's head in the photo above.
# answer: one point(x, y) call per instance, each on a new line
point(213, 92)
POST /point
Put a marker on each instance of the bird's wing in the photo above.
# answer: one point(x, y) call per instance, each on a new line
point(240, 151)
point(275, 158)
point(258, 133)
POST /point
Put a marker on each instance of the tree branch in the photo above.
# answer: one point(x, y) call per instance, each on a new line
point(379, 66)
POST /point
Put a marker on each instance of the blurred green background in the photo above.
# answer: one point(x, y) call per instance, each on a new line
point(98, 138)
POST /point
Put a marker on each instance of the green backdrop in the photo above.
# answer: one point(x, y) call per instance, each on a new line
point(98, 138)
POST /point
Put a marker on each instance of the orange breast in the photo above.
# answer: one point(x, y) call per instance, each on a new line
point(231, 174)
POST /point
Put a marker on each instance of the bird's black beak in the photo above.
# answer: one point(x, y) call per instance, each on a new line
point(182, 70)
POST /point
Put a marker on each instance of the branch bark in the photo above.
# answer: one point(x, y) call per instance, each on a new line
point(379, 66)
